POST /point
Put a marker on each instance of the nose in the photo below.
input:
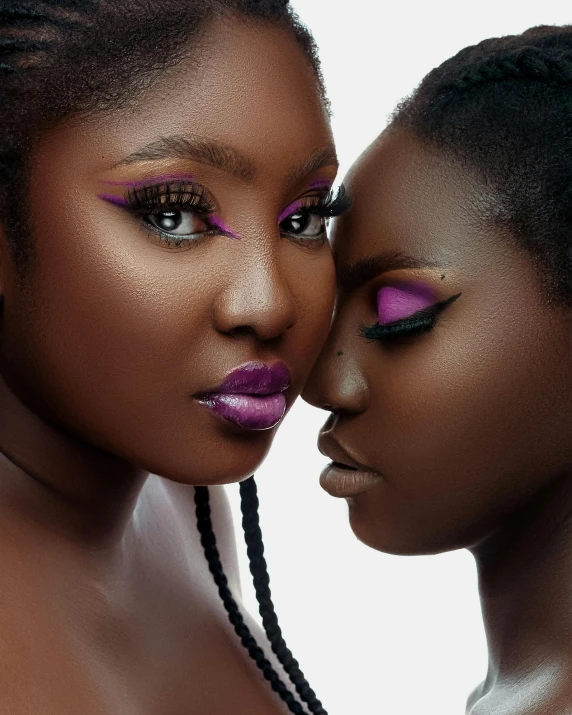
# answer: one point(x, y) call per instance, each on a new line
point(337, 382)
point(258, 301)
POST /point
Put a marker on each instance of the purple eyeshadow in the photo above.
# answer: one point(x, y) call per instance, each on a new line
point(320, 184)
point(400, 302)
point(299, 204)
point(289, 210)
point(113, 199)
point(223, 228)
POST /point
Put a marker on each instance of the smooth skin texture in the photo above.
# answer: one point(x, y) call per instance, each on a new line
point(107, 602)
point(468, 426)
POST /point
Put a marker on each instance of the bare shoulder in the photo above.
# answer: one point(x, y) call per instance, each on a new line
point(543, 693)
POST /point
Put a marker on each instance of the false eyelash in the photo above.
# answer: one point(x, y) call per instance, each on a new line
point(334, 204)
point(421, 321)
point(178, 195)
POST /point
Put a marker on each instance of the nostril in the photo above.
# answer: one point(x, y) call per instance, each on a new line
point(242, 330)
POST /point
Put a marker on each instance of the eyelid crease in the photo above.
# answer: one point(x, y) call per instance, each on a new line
point(420, 320)
point(150, 202)
point(327, 205)
point(352, 277)
point(114, 200)
point(151, 180)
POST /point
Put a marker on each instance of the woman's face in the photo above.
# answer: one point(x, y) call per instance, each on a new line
point(455, 408)
point(175, 242)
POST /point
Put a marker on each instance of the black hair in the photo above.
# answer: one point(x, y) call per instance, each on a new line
point(64, 57)
point(503, 108)
point(255, 548)
point(77, 57)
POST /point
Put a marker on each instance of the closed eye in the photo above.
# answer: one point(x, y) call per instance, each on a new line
point(419, 322)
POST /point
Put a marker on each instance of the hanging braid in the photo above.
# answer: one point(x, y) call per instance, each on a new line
point(503, 109)
point(208, 540)
point(62, 58)
point(258, 569)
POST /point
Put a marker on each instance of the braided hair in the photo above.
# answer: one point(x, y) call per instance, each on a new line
point(503, 109)
point(77, 57)
point(60, 58)
point(253, 538)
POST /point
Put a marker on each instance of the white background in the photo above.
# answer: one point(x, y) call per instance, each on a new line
point(373, 633)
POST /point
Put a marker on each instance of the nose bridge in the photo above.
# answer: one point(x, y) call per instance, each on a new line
point(337, 382)
point(258, 298)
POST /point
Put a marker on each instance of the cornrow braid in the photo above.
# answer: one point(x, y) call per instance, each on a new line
point(503, 110)
point(60, 58)
point(261, 580)
point(208, 541)
point(530, 63)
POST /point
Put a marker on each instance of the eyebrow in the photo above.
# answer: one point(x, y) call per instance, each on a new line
point(223, 157)
point(354, 276)
point(212, 153)
point(318, 160)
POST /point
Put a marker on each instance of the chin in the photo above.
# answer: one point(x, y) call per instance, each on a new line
point(401, 539)
point(215, 464)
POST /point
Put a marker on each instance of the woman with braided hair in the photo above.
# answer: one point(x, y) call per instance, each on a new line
point(165, 180)
point(448, 368)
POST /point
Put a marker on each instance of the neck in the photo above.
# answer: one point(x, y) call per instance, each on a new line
point(56, 481)
point(526, 594)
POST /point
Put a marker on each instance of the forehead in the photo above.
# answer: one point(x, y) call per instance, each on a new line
point(409, 199)
point(245, 84)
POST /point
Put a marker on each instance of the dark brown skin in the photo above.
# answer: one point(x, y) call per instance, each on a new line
point(107, 602)
point(470, 424)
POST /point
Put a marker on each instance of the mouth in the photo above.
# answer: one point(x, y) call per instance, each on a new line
point(251, 396)
point(344, 477)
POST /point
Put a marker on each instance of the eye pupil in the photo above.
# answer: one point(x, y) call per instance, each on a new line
point(298, 222)
point(168, 220)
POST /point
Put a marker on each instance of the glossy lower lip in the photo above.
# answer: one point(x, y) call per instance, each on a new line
point(253, 412)
point(251, 396)
point(343, 482)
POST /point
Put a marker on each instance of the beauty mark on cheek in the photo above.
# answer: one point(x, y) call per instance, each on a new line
point(400, 302)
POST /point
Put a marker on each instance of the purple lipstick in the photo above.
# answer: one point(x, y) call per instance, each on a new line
point(252, 396)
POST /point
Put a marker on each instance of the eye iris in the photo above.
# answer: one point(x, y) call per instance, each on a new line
point(168, 220)
point(305, 224)
point(299, 222)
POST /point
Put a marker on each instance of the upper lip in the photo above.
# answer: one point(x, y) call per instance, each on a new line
point(329, 447)
point(255, 378)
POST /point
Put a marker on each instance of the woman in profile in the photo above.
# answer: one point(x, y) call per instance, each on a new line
point(448, 369)
point(165, 176)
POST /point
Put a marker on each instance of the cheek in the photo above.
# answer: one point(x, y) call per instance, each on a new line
point(465, 419)
point(112, 313)
point(313, 283)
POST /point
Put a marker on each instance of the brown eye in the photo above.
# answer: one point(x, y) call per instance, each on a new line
point(303, 224)
point(183, 224)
